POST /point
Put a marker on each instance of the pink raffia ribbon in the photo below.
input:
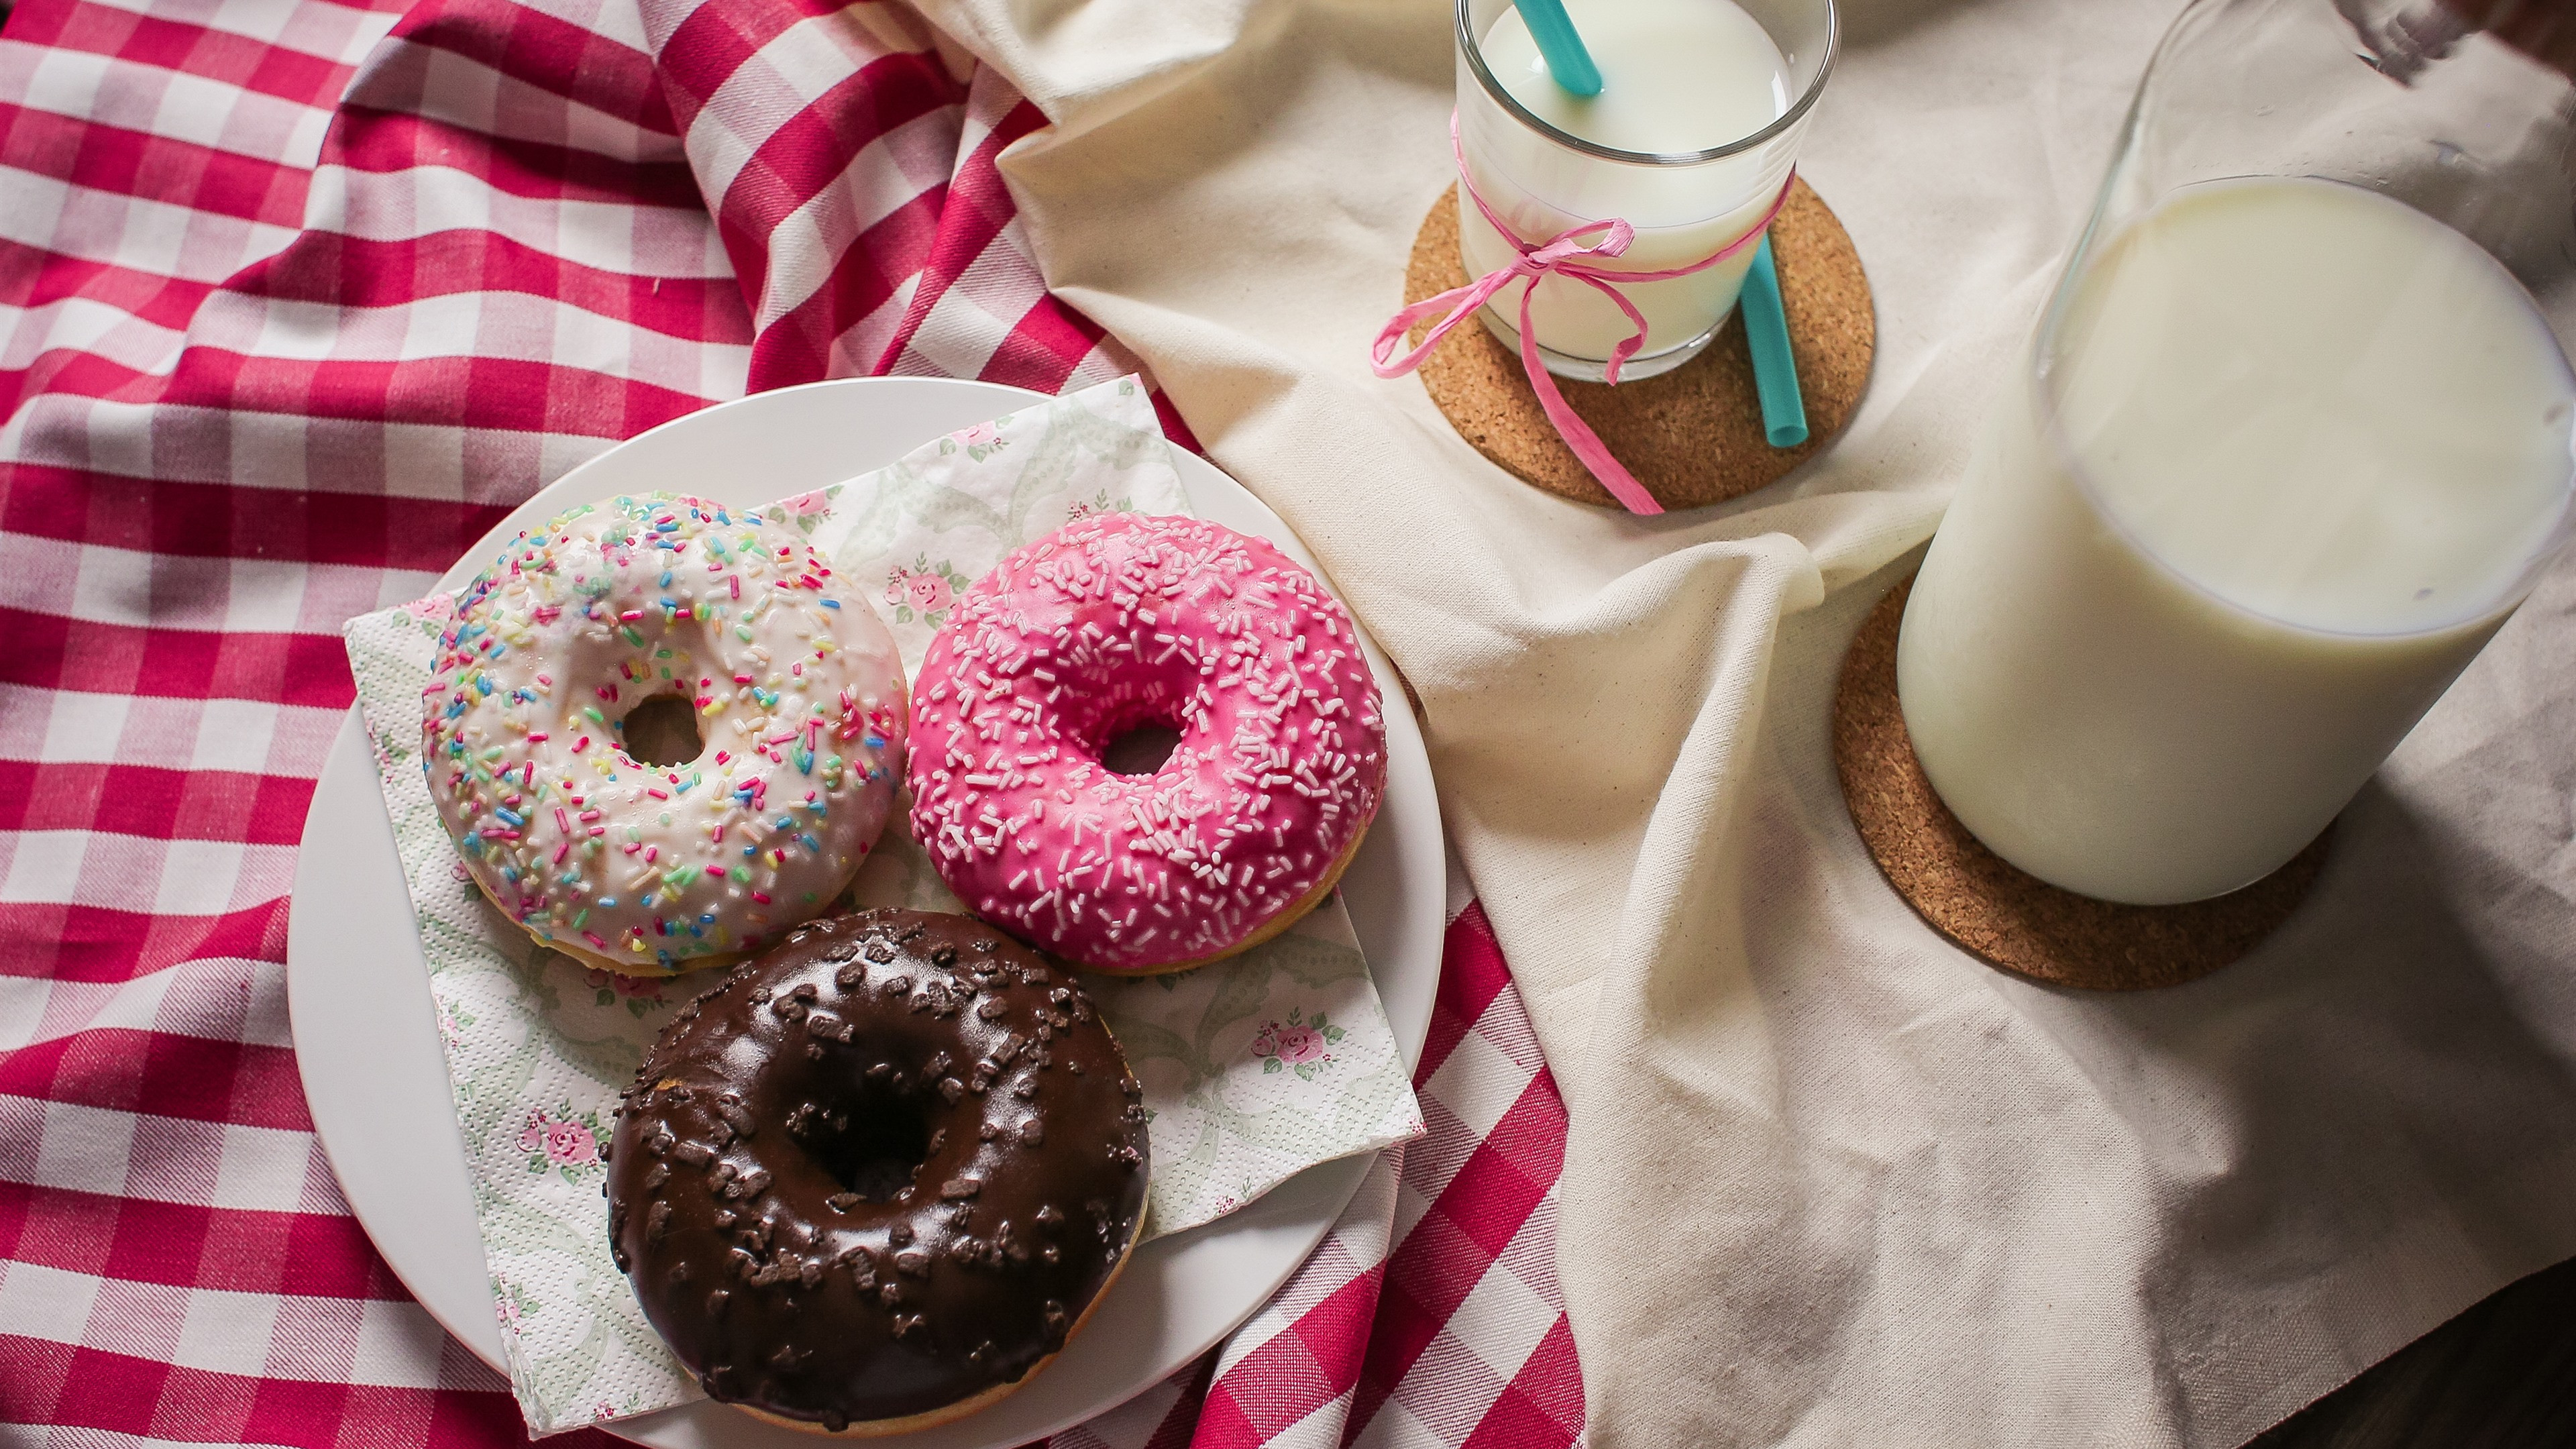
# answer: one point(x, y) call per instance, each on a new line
point(1562, 255)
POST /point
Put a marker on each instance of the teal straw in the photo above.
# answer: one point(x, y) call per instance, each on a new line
point(1559, 46)
point(1775, 371)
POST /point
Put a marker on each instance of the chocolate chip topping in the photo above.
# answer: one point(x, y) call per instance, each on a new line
point(889, 1239)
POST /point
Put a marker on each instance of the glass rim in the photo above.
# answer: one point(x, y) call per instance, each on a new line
point(1467, 46)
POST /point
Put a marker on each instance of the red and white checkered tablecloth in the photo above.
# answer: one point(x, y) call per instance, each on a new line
point(299, 298)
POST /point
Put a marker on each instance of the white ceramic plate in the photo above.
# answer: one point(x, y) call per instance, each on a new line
point(366, 1037)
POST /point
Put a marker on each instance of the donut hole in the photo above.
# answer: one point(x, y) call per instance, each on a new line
point(872, 1144)
point(663, 730)
point(1140, 749)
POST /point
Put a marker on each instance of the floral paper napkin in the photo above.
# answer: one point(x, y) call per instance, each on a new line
point(1253, 1068)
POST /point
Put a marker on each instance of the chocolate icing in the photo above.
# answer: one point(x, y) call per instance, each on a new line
point(881, 1168)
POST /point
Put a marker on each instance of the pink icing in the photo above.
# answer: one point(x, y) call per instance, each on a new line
point(1115, 622)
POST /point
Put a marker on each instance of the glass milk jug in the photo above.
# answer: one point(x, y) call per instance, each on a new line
point(2292, 440)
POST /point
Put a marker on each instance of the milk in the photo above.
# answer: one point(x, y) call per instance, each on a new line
point(2291, 456)
point(1677, 76)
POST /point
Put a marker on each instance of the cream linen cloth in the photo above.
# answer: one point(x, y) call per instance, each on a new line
point(1830, 1181)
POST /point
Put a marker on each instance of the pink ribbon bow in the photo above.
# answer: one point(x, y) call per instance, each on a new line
point(1560, 255)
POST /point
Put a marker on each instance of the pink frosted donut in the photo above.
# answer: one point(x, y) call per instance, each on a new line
point(1120, 622)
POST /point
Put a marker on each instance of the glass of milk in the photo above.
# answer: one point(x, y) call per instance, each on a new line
point(1701, 108)
point(2292, 441)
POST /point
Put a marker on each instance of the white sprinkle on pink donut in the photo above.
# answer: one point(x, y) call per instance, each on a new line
point(1111, 624)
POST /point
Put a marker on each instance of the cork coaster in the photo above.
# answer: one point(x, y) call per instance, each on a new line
point(1994, 911)
point(1692, 436)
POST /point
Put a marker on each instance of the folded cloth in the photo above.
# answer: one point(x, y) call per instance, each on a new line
point(1254, 1068)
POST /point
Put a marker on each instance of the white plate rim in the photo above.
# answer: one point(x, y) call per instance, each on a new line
point(1396, 892)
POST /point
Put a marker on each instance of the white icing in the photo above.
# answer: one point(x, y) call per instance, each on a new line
point(798, 695)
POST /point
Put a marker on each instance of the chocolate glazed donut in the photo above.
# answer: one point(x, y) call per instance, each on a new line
point(880, 1175)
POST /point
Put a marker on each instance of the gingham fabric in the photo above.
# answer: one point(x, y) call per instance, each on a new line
point(298, 299)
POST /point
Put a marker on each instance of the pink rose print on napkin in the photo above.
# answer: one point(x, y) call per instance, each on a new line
point(806, 509)
point(928, 592)
point(1293, 1044)
point(433, 614)
point(1297, 1045)
point(980, 441)
point(1098, 502)
point(924, 591)
point(510, 1303)
point(560, 1143)
point(570, 1142)
point(640, 992)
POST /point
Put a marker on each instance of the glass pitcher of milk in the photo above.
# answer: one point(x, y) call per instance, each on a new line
point(1702, 106)
point(2293, 440)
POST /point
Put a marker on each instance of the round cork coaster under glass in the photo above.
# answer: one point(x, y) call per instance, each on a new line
point(1694, 435)
point(2000, 914)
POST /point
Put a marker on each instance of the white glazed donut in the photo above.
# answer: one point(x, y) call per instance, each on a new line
point(652, 869)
